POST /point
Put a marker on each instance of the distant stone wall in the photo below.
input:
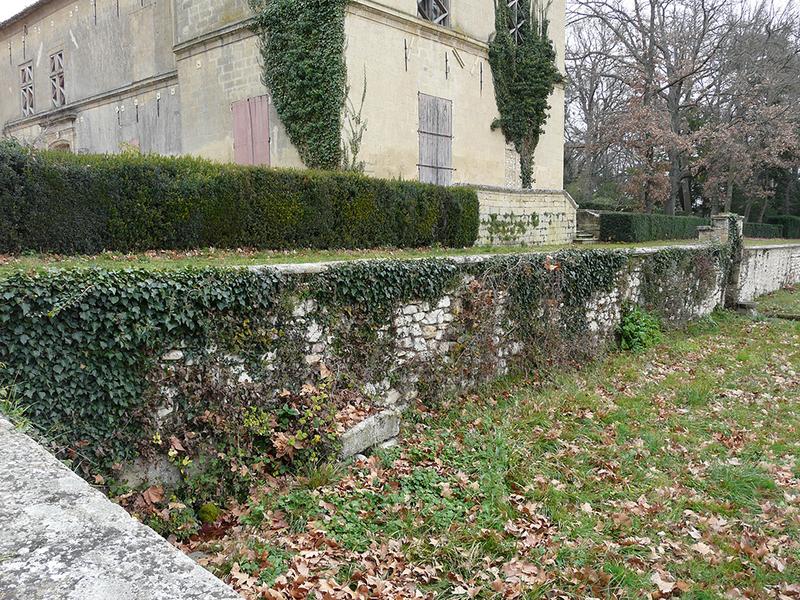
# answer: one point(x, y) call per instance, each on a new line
point(525, 217)
point(767, 269)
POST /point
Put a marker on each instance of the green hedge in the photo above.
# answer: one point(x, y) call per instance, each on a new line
point(790, 225)
point(641, 227)
point(762, 230)
point(56, 202)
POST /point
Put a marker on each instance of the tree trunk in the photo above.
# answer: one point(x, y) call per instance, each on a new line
point(686, 190)
point(763, 210)
point(729, 189)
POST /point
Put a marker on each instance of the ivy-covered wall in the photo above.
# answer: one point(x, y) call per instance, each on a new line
point(226, 374)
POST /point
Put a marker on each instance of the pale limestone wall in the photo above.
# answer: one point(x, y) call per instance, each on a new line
point(530, 217)
point(378, 35)
point(111, 61)
point(215, 73)
point(195, 18)
point(63, 539)
point(469, 325)
point(184, 62)
point(767, 269)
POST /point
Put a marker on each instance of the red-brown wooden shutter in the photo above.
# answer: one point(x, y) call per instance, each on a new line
point(251, 131)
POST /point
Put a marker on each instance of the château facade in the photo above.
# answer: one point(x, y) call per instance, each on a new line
point(184, 77)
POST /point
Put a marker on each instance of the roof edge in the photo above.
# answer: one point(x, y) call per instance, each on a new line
point(21, 15)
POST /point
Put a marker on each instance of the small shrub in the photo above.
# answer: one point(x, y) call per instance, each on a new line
point(638, 330)
point(642, 227)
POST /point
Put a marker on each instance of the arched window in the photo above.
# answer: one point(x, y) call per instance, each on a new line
point(61, 146)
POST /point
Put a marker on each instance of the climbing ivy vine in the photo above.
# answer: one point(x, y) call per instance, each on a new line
point(302, 49)
point(525, 74)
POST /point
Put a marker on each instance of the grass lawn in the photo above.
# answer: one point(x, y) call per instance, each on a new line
point(782, 302)
point(210, 257)
point(768, 241)
point(672, 472)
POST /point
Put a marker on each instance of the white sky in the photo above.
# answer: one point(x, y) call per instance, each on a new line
point(9, 8)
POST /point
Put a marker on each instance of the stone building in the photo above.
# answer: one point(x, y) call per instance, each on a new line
point(183, 77)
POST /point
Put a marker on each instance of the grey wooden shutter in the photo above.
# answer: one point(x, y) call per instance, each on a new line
point(435, 140)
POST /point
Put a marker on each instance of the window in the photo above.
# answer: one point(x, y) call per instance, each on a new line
point(435, 11)
point(435, 140)
point(517, 19)
point(57, 79)
point(26, 89)
point(251, 131)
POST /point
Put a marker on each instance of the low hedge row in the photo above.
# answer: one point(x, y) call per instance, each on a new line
point(790, 225)
point(55, 202)
point(642, 227)
point(762, 230)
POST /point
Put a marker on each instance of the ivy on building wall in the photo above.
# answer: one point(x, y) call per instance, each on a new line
point(523, 64)
point(302, 48)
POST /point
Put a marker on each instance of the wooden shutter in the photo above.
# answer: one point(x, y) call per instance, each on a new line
point(435, 140)
point(251, 131)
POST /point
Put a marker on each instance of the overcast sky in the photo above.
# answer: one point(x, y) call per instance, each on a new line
point(12, 7)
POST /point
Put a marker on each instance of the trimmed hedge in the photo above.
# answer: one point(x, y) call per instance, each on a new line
point(56, 202)
point(790, 225)
point(642, 227)
point(762, 230)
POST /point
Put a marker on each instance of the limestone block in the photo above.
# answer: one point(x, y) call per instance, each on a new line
point(376, 429)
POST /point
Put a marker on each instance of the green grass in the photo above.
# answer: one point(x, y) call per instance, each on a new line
point(210, 257)
point(681, 460)
point(782, 302)
point(769, 241)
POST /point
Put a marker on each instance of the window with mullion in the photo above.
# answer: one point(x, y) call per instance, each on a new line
point(517, 19)
point(26, 90)
point(435, 11)
point(57, 92)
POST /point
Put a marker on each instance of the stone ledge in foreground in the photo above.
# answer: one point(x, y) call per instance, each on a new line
point(60, 539)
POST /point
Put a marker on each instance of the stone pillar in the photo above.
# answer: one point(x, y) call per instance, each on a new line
point(723, 223)
point(720, 228)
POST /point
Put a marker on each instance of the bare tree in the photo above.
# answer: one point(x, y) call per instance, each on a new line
point(710, 93)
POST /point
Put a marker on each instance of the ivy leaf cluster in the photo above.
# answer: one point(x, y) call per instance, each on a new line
point(525, 74)
point(302, 49)
point(78, 345)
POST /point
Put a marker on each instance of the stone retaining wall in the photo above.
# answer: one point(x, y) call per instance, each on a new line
point(458, 340)
point(525, 217)
point(768, 268)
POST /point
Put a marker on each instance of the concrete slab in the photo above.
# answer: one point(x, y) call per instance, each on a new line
point(60, 539)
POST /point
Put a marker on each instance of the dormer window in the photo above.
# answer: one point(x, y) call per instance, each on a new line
point(26, 89)
point(435, 11)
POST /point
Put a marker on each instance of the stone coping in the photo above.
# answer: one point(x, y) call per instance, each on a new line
point(312, 268)
point(784, 246)
point(61, 539)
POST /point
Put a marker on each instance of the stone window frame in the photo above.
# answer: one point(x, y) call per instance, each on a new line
point(58, 94)
point(27, 95)
point(435, 11)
